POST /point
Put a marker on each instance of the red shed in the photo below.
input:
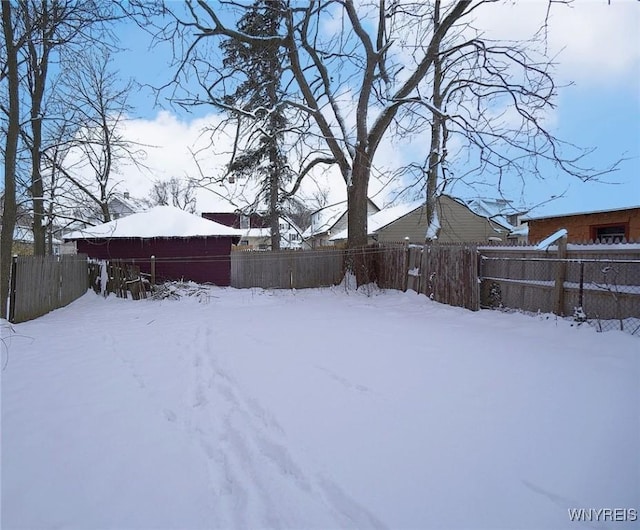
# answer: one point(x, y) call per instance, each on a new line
point(185, 246)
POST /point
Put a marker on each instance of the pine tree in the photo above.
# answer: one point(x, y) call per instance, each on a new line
point(256, 103)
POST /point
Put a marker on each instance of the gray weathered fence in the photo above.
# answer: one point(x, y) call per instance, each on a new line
point(286, 269)
point(40, 284)
point(595, 282)
point(445, 273)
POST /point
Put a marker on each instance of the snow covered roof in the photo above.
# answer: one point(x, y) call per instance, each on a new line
point(384, 217)
point(256, 232)
point(325, 218)
point(522, 230)
point(161, 221)
point(23, 234)
point(131, 203)
point(587, 212)
point(493, 209)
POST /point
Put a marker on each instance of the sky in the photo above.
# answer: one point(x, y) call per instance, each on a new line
point(597, 49)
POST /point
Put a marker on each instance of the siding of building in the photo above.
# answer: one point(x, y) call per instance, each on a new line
point(458, 224)
point(232, 219)
point(580, 226)
point(200, 259)
point(322, 239)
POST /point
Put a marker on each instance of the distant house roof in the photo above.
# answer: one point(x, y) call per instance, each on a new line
point(23, 234)
point(256, 232)
point(384, 217)
point(161, 221)
point(130, 203)
point(324, 219)
point(495, 209)
point(587, 212)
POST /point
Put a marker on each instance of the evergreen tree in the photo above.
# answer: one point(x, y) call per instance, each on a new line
point(256, 103)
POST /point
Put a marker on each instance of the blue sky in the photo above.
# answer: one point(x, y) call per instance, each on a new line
point(599, 47)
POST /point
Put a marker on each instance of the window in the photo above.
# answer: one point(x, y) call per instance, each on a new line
point(513, 219)
point(611, 232)
point(244, 221)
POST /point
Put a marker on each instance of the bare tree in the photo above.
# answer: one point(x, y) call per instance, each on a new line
point(96, 108)
point(363, 74)
point(326, 69)
point(52, 26)
point(173, 192)
point(9, 210)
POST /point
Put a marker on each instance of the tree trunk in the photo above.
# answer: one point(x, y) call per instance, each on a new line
point(357, 200)
point(11, 149)
point(274, 196)
point(38, 71)
point(104, 209)
point(37, 188)
point(435, 158)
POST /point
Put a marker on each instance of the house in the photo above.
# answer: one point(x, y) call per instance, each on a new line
point(256, 231)
point(455, 222)
point(23, 240)
point(603, 225)
point(503, 212)
point(328, 221)
point(123, 205)
point(185, 245)
point(89, 214)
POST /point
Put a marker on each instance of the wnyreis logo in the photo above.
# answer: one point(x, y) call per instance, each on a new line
point(603, 514)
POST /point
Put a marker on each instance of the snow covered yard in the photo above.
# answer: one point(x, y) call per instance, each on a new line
point(314, 409)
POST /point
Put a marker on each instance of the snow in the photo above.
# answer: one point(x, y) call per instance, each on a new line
point(256, 232)
point(553, 211)
point(325, 218)
point(587, 286)
point(161, 221)
point(383, 218)
point(553, 238)
point(434, 227)
point(320, 408)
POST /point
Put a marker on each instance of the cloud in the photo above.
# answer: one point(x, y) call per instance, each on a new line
point(170, 144)
point(593, 42)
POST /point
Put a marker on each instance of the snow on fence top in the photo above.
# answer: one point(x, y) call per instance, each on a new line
point(161, 221)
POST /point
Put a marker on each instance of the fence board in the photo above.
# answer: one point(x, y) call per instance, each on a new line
point(446, 273)
point(286, 269)
point(449, 274)
point(44, 283)
point(602, 282)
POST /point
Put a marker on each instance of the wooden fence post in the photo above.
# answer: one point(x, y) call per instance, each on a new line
point(153, 271)
point(561, 274)
point(12, 290)
point(407, 265)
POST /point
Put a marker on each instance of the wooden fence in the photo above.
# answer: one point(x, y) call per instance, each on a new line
point(445, 273)
point(599, 282)
point(40, 284)
point(286, 269)
point(122, 278)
